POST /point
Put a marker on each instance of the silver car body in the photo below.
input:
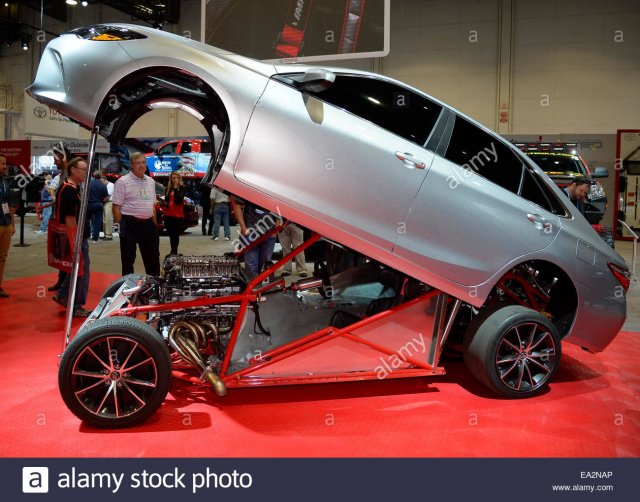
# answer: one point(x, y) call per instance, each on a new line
point(349, 179)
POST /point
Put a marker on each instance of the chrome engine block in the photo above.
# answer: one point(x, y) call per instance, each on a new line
point(190, 277)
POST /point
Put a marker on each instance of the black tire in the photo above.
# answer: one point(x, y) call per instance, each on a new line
point(98, 389)
point(513, 350)
point(115, 285)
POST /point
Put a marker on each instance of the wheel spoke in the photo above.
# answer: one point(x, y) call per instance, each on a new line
point(525, 366)
point(148, 359)
point(89, 349)
point(543, 336)
point(89, 374)
point(508, 359)
point(517, 331)
point(110, 389)
point(540, 365)
point(116, 400)
point(137, 381)
point(531, 337)
point(138, 398)
point(518, 384)
point(133, 348)
point(85, 389)
point(503, 377)
point(510, 345)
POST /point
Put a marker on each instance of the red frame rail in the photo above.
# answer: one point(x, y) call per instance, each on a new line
point(246, 377)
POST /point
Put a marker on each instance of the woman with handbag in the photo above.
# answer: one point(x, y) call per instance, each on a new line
point(174, 210)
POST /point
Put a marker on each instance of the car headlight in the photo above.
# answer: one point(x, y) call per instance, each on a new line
point(596, 191)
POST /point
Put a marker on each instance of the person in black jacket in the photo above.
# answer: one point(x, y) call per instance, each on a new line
point(205, 203)
point(577, 192)
point(68, 210)
point(7, 224)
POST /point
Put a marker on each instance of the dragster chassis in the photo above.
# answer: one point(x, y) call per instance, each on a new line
point(405, 340)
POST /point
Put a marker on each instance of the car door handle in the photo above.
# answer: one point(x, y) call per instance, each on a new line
point(538, 221)
point(410, 161)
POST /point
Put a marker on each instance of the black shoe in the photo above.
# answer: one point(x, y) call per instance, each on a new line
point(55, 287)
point(3, 293)
point(80, 312)
point(303, 274)
point(60, 301)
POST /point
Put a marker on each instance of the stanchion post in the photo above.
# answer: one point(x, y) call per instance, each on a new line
point(77, 251)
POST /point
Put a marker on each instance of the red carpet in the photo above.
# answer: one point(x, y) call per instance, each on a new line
point(591, 410)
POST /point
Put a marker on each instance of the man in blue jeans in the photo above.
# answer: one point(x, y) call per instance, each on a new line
point(98, 195)
point(220, 202)
point(254, 223)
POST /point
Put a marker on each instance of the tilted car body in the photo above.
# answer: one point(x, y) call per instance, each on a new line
point(434, 226)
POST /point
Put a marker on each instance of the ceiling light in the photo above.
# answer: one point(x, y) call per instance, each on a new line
point(72, 2)
point(84, 4)
point(25, 46)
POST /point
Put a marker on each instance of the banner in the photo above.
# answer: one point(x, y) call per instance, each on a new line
point(321, 480)
point(298, 30)
point(17, 152)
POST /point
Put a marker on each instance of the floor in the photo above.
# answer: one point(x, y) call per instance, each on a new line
point(592, 408)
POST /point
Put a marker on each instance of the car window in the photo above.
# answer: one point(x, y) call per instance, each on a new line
point(185, 147)
point(475, 149)
point(537, 191)
point(390, 106)
point(167, 149)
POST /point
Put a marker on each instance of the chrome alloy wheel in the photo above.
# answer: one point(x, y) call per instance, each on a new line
point(114, 376)
point(526, 357)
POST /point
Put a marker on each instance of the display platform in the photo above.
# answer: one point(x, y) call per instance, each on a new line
point(591, 410)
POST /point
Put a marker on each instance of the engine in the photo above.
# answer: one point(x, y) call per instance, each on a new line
point(190, 277)
point(199, 335)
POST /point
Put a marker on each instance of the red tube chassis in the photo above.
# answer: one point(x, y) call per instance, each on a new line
point(380, 346)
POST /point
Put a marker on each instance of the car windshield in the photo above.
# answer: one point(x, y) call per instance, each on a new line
point(558, 163)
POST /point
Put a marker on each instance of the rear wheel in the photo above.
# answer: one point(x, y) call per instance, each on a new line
point(513, 350)
point(115, 373)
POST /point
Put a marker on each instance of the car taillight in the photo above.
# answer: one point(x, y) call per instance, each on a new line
point(622, 274)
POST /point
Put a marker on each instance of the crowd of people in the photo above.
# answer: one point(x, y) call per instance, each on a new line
point(131, 204)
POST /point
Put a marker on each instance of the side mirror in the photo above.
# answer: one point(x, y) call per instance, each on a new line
point(317, 79)
point(600, 172)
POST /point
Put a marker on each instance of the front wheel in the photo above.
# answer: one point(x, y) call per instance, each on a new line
point(115, 285)
point(115, 373)
point(513, 350)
